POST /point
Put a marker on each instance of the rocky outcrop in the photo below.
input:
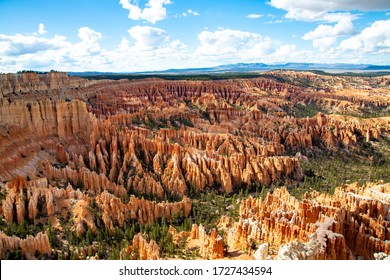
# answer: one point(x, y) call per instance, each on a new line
point(140, 249)
point(13, 205)
point(90, 181)
point(13, 84)
point(38, 202)
point(364, 217)
point(47, 118)
point(241, 134)
point(381, 256)
point(354, 222)
point(82, 218)
point(262, 252)
point(324, 244)
point(211, 246)
point(33, 131)
point(120, 150)
point(28, 246)
point(115, 212)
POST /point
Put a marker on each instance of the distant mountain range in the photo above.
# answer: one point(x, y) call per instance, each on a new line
point(251, 67)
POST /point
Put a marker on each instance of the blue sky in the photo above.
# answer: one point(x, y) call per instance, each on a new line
point(129, 35)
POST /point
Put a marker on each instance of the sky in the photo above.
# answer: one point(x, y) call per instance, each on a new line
point(146, 35)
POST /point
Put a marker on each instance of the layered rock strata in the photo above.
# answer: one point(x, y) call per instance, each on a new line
point(71, 147)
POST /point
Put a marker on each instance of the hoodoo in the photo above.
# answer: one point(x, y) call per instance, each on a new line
point(153, 168)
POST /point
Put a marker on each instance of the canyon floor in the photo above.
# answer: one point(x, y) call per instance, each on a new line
point(281, 165)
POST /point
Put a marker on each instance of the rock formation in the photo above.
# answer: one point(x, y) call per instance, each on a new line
point(352, 223)
point(104, 153)
point(33, 131)
point(115, 212)
point(28, 246)
point(141, 249)
point(21, 83)
point(81, 217)
point(211, 246)
point(224, 134)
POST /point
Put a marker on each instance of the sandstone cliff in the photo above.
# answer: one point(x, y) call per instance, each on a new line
point(13, 84)
point(38, 130)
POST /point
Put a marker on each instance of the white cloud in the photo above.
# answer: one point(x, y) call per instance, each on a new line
point(89, 41)
point(273, 21)
point(285, 50)
point(190, 12)
point(342, 28)
point(34, 52)
point(375, 38)
point(148, 53)
point(254, 16)
point(323, 44)
point(15, 45)
point(86, 34)
point(337, 17)
point(315, 10)
point(154, 11)
point(325, 36)
point(41, 29)
point(233, 43)
point(148, 38)
point(151, 49)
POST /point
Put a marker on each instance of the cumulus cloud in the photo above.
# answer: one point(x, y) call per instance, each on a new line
point(228, 41)
point(324, 36)
point(89, 41)
point(323, 44)
point(147, 48)
point(375, 38)
point(342, 28)
point(32, 51)
point(147, 38)
point(152, 50)
point(315, 10)
point(15, 45)
point(41, 29)
point(254, 16)
point(154, 11)
point(86, 34)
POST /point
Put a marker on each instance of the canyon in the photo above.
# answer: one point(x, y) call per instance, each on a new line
point(83, 159)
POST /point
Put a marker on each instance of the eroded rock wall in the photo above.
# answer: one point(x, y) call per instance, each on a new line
point(354, 222)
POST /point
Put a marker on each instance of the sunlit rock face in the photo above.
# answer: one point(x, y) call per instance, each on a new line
point(352, 223)
point(28, 246)
point(83, 151)
point(141, 249)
